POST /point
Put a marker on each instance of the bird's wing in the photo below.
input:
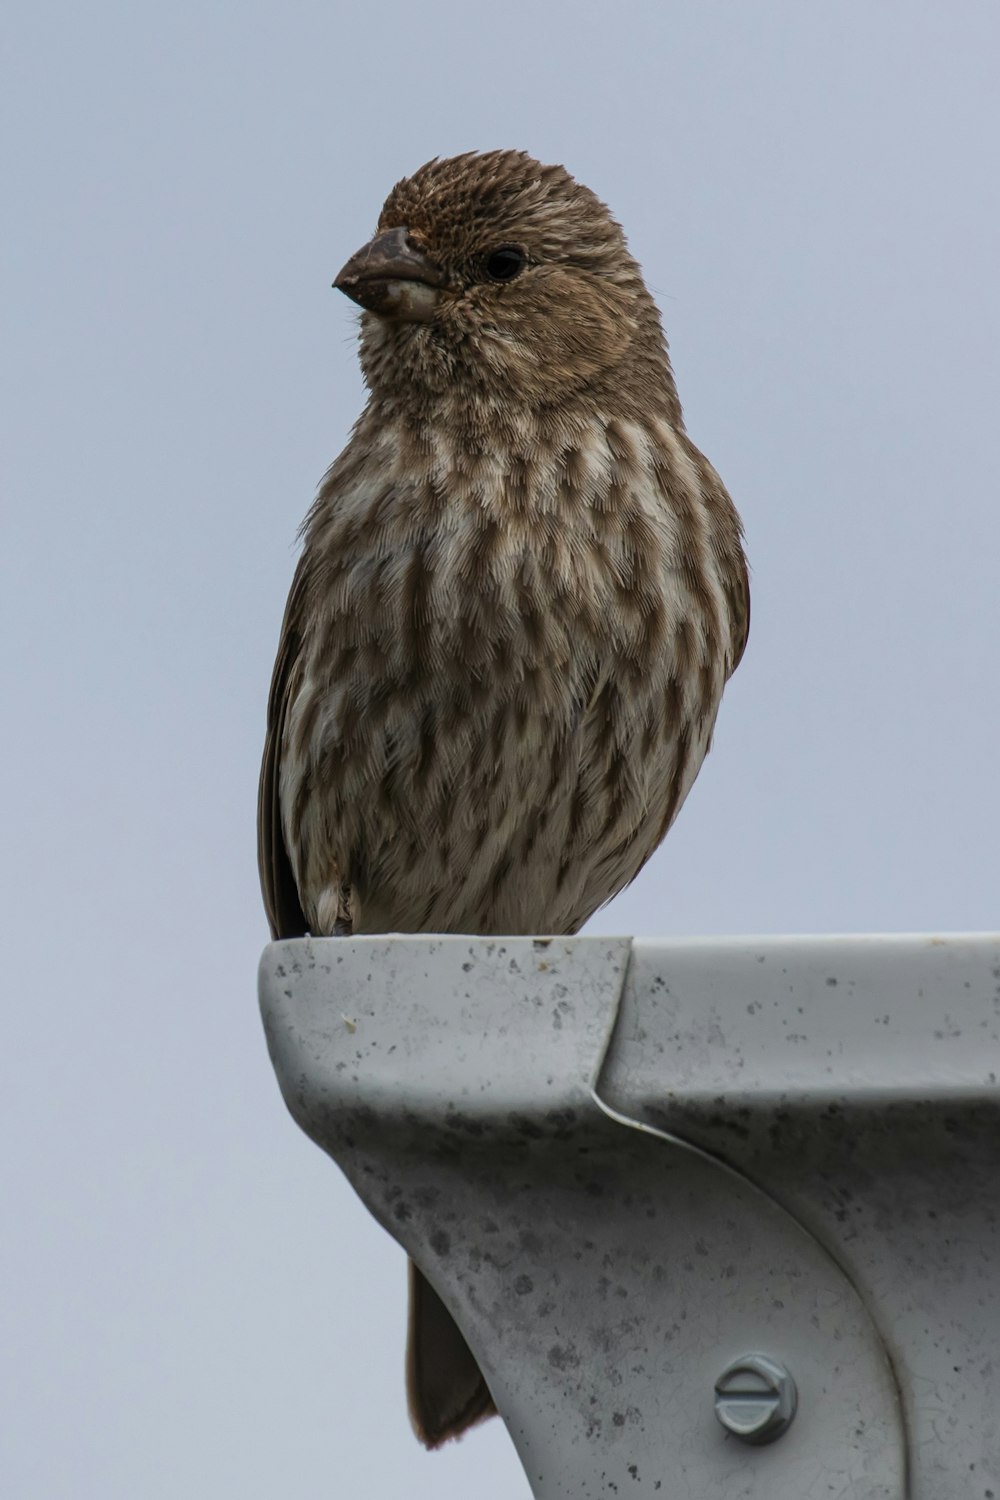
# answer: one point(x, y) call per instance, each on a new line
point(277, 882)
point(742, 628)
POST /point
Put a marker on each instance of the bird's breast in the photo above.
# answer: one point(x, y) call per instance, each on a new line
point(508, 666)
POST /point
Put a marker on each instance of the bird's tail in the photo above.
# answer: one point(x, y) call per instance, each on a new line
point(445, 1387)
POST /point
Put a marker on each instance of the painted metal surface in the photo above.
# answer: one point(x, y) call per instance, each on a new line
point(625, 1165)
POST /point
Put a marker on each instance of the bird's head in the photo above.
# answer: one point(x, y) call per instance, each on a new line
point(498, 281)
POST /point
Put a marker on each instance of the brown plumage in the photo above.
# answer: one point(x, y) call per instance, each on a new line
point(521, 594)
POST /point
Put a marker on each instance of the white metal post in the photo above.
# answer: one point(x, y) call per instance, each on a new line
point(718, 1218)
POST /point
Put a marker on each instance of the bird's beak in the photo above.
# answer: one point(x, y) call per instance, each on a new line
point(391, 277)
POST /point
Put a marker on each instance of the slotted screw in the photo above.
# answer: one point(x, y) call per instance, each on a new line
point(755, 1398)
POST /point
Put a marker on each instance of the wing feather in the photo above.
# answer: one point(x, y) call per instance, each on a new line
point(277, 880)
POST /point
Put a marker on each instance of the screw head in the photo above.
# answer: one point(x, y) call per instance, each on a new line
point(755, 1398)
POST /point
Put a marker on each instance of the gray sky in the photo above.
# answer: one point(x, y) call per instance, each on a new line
point(193, 1304)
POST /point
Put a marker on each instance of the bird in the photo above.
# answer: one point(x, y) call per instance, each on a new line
point(521, 592)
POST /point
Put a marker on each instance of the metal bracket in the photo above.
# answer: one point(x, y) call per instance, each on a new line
point(627, 1167)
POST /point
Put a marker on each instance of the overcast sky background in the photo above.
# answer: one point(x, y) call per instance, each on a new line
point(194, 1304)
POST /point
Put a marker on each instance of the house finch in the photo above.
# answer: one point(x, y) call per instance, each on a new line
point(521, 593)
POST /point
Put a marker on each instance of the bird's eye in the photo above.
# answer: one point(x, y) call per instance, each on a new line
point(505, 263)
